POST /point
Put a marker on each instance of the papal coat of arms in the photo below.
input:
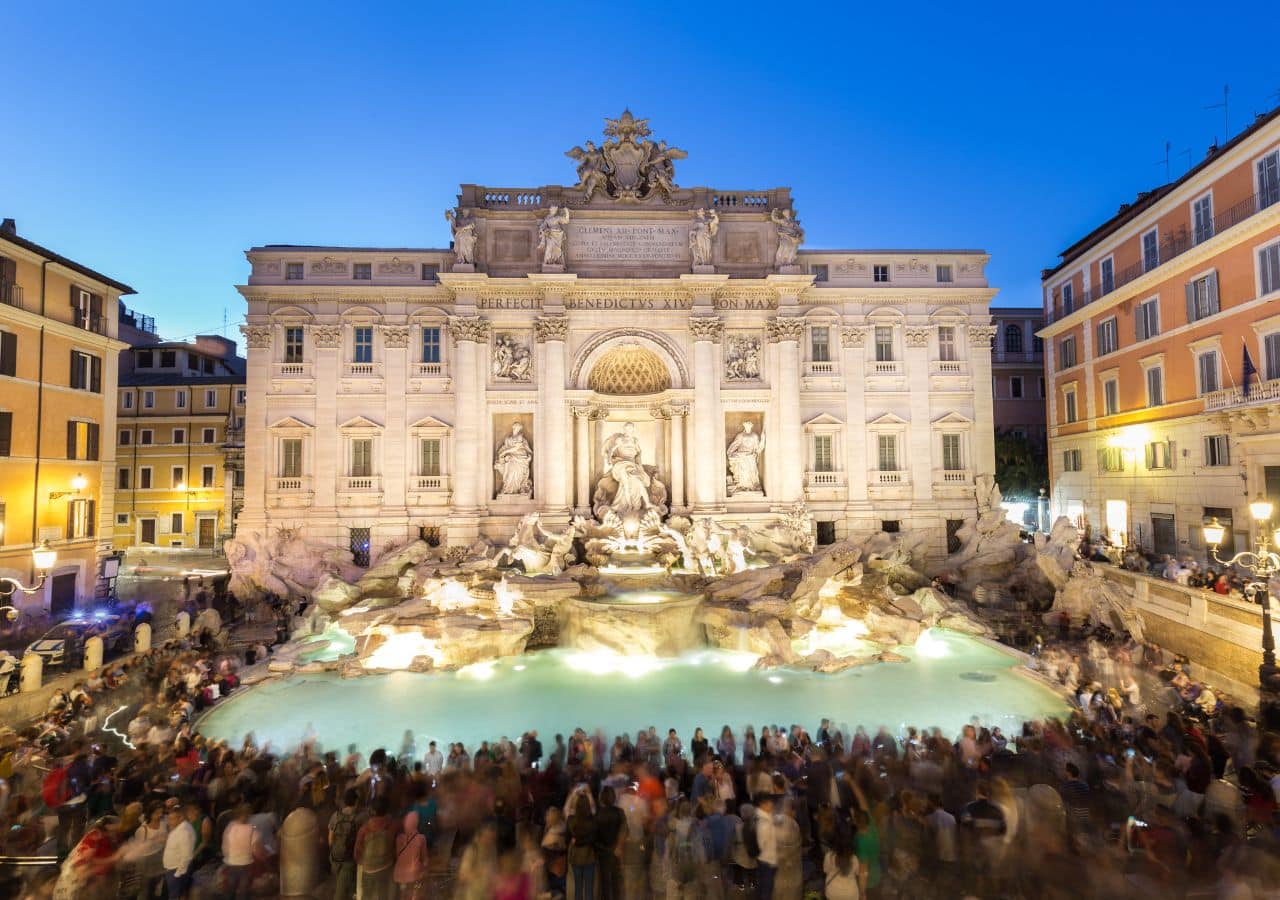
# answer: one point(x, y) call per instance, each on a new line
point(626, 166)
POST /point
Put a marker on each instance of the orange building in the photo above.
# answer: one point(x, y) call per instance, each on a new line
point(58, 362)
point(1152, 428)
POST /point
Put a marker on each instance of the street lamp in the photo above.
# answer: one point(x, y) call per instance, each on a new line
point(44, 558)
point(1263, 563)
point(77, 485)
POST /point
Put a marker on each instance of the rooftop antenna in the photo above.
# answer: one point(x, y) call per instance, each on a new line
point(224, 321)
point(1187, 154)
point(1225, 106)
point(1165, 162)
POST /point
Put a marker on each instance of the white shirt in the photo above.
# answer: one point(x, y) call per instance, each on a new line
point(237, 844)
point(433, 762)
point(767, 838)
point(179, 849)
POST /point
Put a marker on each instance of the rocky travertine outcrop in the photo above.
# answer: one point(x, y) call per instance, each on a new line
point(1086, 594)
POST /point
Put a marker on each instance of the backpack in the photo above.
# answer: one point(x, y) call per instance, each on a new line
point(749, 840)
point(684, 858)
point(55, 790)
point(378, 852)
point(344, 837)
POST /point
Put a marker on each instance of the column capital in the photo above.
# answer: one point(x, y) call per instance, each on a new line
point(917, 335)
point(784, 329)
point(669, 410)
point(706, 328)
point(257, 337)
point(326, 335)
point(981, 335)
point(853, 335)
point(550, 328)
point(395, 336)
point(468, 328)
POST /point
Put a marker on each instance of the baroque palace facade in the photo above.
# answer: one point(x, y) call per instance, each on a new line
point(622, 336)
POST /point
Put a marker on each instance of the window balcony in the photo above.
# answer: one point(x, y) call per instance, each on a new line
point(361, 484)
point(289, 491)
point(1229, 398)
point(90, 322)
point(11, 294)
point(885, 367)
point(948, 367)
point(429, 369)
point(826, 368)
point(818, 481)
point(363, 370)
point(431, 482)
point(428, 490)
point(952, 477)
point(293, 370)
point(285, 484)
point(888, 478)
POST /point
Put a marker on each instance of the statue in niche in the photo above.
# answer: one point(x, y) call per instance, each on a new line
point(513, 463)
point(744, 460)
point(464, 236)
point(629, 494)
point(790, 236)
point(700, 236)
point(512, 360)
point(551, 236)
point(742, 360)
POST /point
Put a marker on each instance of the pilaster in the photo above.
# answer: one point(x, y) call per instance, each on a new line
point(466, 333)
point(327, 456)
point(853, 341)
point(707, 331)
point(257, 385)
point(550, 333)
point(984, 441)
point(786, 332)
point(919, 449)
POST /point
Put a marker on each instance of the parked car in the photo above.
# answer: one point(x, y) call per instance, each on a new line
point(63, 644)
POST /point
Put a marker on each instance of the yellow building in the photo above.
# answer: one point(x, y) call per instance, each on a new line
point(58, 370)
point(179, 473)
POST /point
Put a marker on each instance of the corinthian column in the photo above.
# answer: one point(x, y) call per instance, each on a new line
point(853, 340)
point(550, 332)
point(582, 460)
point(677, 456)
point(786, 332)
point(259, 464)
point(466, 333)
point(919, 449)
point(709, 462)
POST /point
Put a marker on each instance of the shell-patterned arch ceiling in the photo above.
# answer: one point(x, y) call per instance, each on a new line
point(629, 370)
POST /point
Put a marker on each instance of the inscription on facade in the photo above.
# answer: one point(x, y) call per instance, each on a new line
point(651, 242)
point(628, 303)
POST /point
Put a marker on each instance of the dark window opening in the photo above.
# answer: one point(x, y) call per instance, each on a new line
point(890, 526)
point(826, 533)
point(359, 542)
point(953, 534)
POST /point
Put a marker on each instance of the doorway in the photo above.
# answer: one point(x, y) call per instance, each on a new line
point(1164, 535)
point(204, 536)
point(147, 528)
point(62, 595)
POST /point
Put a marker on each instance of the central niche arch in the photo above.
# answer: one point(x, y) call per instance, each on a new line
point(629, 362)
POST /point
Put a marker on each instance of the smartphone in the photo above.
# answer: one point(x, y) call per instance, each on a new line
point(1129, 752)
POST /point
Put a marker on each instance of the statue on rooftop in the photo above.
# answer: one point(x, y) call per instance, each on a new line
point(790, 236)
point(701, 234)
point(464, 236)
point(551, 236)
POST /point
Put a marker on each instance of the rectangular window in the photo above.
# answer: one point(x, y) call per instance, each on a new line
point(168, 359)
point(429, 456)
point(362, 457)
point(1207, 364)
point(890, 526)
point(1271, 351)
point(6, 433)
point(1037, 344)
point(1202, 297)
point(238, 478)
point(8, 353)
point(1068, 298)
point(1067, 353)
point(884, 343)
point(1269, 179)
point(1269, 269)
point(820, 343)
point(1217, 452)
point(126, 400)
point(1043, 393)
point(431, 345)
point(1146, 319)
point(122, 518)
point(178, 478)
point(362, 271)
point(1070, 398)
point(122, 479)
point(144, 477)
point(825, 532)
point(146, 437)
point(208, 436)
point(293, 345)
point(1155, 386)
point(1159, 455)
point(126, 438)
point(944, 274)
point(80, 518)
point(86, 372)
point(823, 458)
point(1150, 250)
point(210, 399)
point(1107, 273)
point(1015, 387)
point(293, 271)
point(179, 435)
point(887, 444)
point(363, 344)
point(175, 523)
point(1111, 459)
point(1110, 397)
point(82, 440)
point(947, 343)
point(240, 395)
point(820, 272)
point(1202, 218)
point(358, 542)
point(880, 273)
point(148, 399)
point(951, 460)
point(206, 476)
point(430, 272)
point(1108, 340)
point(291, 458)
point(1071, 460)
point(180, 399)
point(144, 359)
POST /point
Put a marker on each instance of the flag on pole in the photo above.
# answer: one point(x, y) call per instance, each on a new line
point(1248, 368)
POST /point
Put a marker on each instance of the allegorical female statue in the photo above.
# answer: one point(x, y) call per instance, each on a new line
point(790, 236)
point(464, 236)
point(513, 462)
point(744, 460)
point(551, 236)
point(700, 236)
point(622, 464)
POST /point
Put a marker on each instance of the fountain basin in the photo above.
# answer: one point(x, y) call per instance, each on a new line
point(633, 623)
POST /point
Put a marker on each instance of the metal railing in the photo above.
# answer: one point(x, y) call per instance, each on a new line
point(89, 322)
point(1171, 247)
point(11, 294)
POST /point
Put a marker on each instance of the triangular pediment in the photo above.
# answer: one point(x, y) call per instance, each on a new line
point(290, 422)
point(430, 422)
point(359, 423)
point(823, 419)
point(953, 418)
point(888, 419)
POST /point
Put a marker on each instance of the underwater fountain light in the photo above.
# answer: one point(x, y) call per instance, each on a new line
point(400, 649)
point(930, 645)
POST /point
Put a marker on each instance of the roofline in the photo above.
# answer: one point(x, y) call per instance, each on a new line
point(1113, 224)
point(881, 250)
point(1018, 309)
point(61, 260)
point(277, 248)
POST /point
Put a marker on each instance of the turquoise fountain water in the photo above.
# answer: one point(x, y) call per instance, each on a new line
point(949, 679)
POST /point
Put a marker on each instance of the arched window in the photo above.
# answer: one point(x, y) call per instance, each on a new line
point(1013, 339)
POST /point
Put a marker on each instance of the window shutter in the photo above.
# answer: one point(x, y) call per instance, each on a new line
point(1102, 460)
point(95, 308)
point(93, 442)
point(6, 433)
point(75, 297)
point(71, 520)
point(8, 353)
point(1139, 325)
point(1191, 301)
point(71, 440)
point(95, 375)
point(8, 270)
point(75, 371)
point(1169, 450)
point(1151, 456)
point(1212, 288)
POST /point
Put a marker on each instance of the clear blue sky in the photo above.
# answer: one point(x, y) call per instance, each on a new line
point(156, 142)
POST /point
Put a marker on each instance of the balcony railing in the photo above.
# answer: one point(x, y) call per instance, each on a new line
point(429, 369)
point(89, 322)
point(820, 368)
point(11, 294)
point(292, 484)
point(293, 370)
point(361, 484)
point(953, 476)
point(824, 479)
point(948, 367)
point(886, 367)
point(431, 482)
point(1263, 392)
point(363, 369)
point(1172, 247)
point(889, 477)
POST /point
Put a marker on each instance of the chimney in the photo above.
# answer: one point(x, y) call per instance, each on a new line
point(8, 226)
